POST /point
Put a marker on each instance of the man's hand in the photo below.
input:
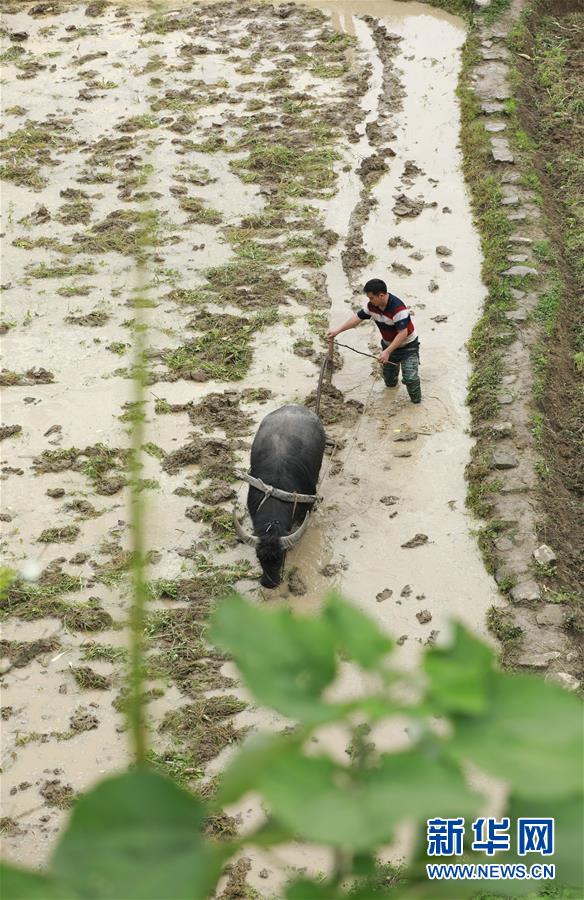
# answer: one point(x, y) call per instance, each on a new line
point(383, 357)
point(331, 334)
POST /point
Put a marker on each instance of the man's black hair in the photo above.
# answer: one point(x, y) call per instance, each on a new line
point(375, 286)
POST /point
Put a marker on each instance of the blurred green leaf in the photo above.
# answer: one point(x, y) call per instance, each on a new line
point(356, 635)
point(287, 661)
point(136, 835)
point(531, 736)
point(569, 835)
point(418, 784)
point(459, 675)
point(18, 884)
point(241, 775)
point(311, 890)
point(321, 801)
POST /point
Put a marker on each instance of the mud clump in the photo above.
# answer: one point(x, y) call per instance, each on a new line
point(57, 794)
point(20, 653)
point(355, 256)
point(374, 166)
point(221, 411)
point(296, 583)
point(406, 207)
point(236, 886)
point(87, 617)
point(96, 8)
point(418, 540)
point(95, 319)
point(89, 680)
point(64, 535)
point(203, 727)
point(333, 406)
point(30, 377)
point(424, 616)
point(81, 720)
point(216, 493)
point(99, 463)
point(214, 457)
point(398, 241)
point(7, 431)
point(10, 827)
point(83, 508)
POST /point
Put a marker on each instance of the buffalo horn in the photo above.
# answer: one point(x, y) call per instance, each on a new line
point(290, 540)
point(241, 534)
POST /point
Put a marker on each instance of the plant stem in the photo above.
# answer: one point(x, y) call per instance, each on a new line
point(136, 706)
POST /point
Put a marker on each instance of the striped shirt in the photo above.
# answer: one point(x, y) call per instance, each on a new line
point(391, 320)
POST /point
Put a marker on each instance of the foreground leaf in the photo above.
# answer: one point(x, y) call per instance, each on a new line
point(244, 771)
point(303, 889)
point(531, 736)
point(321, 801)
point(286, 660)
point(137, 835)
point(18, 884)
point(569, 836)
point(459, 675)
point(356, 635)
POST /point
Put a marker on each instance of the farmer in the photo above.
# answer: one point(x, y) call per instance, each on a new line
point(399, 339)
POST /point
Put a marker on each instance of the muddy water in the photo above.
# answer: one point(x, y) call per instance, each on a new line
point(428, 480)
point(354, 532)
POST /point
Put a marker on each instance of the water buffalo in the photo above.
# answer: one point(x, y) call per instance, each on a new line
point(287, 454)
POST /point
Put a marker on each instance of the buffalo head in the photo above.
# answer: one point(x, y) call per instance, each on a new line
point(270, 549)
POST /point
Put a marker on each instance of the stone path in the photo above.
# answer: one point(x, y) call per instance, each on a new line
point(545, 645)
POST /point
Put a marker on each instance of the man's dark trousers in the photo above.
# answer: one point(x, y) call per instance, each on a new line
point(408, 359)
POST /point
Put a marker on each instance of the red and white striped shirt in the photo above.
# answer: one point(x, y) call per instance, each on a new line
point(391, 320)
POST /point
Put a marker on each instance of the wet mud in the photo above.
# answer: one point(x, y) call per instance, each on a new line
point(257, 163)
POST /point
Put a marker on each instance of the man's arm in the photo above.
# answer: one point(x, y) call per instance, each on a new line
point(398, 340)
point(350, 323)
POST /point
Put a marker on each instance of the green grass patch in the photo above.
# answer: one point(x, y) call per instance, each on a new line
point(61, 269)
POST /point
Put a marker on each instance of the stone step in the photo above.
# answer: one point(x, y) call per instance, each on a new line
point(520, 271)
point(494, 127)
point(501, 151)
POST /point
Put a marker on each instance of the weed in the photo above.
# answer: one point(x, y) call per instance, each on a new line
point(46, 243)
point(202, 727)
point(502, 626)
point(60, 270)
point(118, 347)
point(297, 172)
point(537, 426)
point(88, 616)
point(122, 231)
point(310, 258)
point(92, 652)
point(154, 450)
point(199, 213)
point(543, 251)
point(76, 212)
point(182, 767)
point(89, 680)
point(23, 175)
point(74, 290)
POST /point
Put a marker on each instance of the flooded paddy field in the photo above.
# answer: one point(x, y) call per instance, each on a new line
point(230, 175)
